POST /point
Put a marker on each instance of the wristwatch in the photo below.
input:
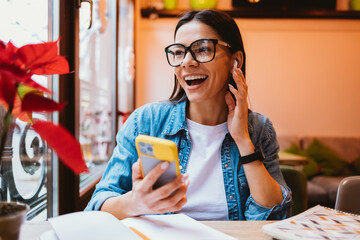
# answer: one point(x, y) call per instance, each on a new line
point(257, 155)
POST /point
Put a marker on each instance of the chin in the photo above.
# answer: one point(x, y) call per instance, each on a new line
point(195, 99)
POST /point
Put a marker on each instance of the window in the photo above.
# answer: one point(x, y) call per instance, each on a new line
point(97, 86)
point(27, 167)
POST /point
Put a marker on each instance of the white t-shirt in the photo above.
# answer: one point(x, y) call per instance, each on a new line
point(206, 197)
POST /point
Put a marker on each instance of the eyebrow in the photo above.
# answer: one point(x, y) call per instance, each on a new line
point(218, 42)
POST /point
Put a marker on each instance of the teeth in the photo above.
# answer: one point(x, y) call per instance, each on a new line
point(195, 77)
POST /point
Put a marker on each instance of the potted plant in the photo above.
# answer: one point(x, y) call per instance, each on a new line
point(20, 96)
point(12, 215)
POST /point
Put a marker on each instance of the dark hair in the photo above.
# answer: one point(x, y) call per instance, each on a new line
point(225, 26)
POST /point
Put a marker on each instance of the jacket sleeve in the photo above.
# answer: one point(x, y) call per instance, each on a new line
point(117, 178)
point(270, 147)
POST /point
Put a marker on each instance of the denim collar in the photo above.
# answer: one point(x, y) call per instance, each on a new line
point(177, 119)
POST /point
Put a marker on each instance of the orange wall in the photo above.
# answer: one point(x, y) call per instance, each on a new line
point(303, 74)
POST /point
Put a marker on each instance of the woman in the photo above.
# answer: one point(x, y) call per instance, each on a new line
point(228, 154)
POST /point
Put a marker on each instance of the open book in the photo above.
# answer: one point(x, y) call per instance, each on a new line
point(316, 223)
point(102, 225)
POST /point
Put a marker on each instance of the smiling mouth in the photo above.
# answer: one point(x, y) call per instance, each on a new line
point(194, 80)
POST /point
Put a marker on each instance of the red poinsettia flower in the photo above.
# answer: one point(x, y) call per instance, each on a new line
point(21, 96)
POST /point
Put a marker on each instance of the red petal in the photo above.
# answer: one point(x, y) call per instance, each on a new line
point(17, 113)
point(58, 65)
point(2, 45)
point(8, 53)
point(63, 143)
point(13, 73)
point(25, 117)
point(43, 58)
point(7, 87)
point(32, 102)
point(37, 53)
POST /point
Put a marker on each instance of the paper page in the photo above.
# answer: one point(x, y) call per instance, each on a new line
point(92, 225)
point(174, 227)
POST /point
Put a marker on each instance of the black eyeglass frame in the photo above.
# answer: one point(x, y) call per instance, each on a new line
point(188, 49)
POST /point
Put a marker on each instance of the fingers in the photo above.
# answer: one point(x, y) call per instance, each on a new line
point(136, 172)
point(242, 88)
point(167, 198)
point(238, 76)
point(175, 202)
point(153, 175)
point(229, 100)
point(168, 189)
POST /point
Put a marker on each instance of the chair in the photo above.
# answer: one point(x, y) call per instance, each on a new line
point(297, 182)
point(348, 195)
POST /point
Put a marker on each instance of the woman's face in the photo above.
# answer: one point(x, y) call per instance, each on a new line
point(203, 81)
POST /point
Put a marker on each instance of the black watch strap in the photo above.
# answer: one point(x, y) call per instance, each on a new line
point(257, 155)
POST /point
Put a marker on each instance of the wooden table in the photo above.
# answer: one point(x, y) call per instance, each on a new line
point(249, 230)
point(292, 159)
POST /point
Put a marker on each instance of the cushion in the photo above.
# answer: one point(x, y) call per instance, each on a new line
point(348, 148)
point(311, 168)
point(330, 162)
point(322, 160)
point(295, 149)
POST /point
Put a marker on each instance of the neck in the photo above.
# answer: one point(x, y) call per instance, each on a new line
point(208, 113)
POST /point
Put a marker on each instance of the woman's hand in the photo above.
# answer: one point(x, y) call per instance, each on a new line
point(238, 113)
point(142, 199)
point(168, 198)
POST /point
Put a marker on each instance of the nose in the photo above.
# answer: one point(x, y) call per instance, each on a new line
point(189, 60)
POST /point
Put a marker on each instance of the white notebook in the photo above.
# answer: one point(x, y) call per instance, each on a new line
point(316, 223)
point(95, 225)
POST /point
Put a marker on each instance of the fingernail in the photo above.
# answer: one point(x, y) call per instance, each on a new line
point(184, 178)
point(164, 165)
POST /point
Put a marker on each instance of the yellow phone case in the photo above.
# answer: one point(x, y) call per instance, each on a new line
point(151, 151)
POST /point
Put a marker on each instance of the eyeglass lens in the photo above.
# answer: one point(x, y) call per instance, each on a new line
point(201, 50)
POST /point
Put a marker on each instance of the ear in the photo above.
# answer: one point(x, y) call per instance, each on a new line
point(238, 59)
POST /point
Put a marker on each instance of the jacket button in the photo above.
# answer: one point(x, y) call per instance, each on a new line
point(231, 197)
point(180, 167)
point(226, 165)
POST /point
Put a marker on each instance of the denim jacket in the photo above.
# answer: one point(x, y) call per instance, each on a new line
point(166, 120)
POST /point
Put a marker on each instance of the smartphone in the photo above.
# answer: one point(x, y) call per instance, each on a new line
point(152, 151)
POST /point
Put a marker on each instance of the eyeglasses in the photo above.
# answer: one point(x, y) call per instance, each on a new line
point(202, 50)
